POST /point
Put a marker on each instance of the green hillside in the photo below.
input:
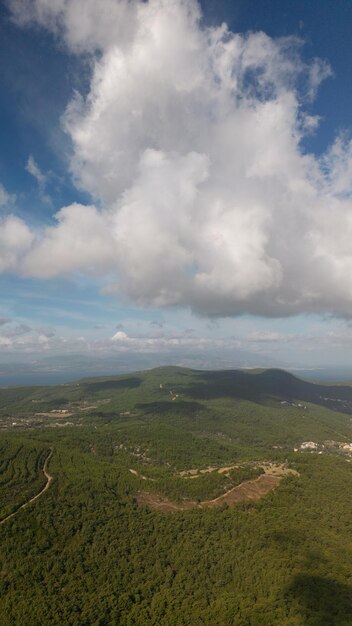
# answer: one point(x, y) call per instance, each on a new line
point(89, 551)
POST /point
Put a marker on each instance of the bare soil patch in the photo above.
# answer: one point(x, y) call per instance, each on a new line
point(160, 503)
point(275, 469)
point(135, 473)
point(248, 490)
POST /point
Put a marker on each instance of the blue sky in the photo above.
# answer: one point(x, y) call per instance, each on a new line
point(170, 187)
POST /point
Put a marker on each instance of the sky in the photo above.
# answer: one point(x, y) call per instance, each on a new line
point(176, 181)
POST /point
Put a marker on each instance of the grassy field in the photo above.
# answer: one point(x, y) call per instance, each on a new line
point(88, 552)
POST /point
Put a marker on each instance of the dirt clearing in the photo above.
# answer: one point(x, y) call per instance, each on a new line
point(160, 503)
point(248, 490)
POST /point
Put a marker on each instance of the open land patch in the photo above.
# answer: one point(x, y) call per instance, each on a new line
point(275, 469)
point(247, 490)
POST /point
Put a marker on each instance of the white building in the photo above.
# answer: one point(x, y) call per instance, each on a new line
point(309, 445)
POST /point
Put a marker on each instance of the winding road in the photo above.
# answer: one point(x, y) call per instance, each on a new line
point(45, 488)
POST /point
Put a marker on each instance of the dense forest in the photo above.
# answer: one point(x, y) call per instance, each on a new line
point(88, 551)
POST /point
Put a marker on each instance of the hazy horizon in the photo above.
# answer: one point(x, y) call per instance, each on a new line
point(62, 369)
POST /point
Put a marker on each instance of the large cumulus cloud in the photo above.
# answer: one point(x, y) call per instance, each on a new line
point(190, 144)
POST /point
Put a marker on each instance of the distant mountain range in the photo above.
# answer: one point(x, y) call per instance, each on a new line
point(61, 368)
point(57, 369)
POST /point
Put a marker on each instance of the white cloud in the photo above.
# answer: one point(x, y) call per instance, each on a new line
point(120, 336)
point(15, 240)
point(6, 198)
point(190, 140)
point(34, 170)
point(169, 343)
point(5, 341)
point(80, 241)
point(19, 336)
point(337, 163)
point(320, 341)
point(267, 336)
point(84, 25)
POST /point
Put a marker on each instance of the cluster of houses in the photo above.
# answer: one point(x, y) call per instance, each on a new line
point(312, 446)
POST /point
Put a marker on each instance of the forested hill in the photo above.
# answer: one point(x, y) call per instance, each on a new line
point(253, 385)
point(224, 414)
point(176, 497)
point(261, 386)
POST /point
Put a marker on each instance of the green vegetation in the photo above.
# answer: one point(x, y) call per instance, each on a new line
point(21, 474)
point(86, 553)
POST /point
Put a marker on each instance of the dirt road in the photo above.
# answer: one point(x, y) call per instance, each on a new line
point(45, 488)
